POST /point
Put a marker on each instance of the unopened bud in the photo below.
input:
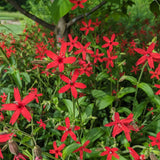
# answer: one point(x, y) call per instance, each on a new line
point(37, 152)
point(152, 156)
point(13, 147)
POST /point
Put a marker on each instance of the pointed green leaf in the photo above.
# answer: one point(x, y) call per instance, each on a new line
point(124, 110)
point(105, 101)
point(17, 78)
point(132, 79)
point(94, 134)
point(87, 114)
point(69, 104)
point(69, 149)
point(98, 93)
point(125, 91)
point(147, 89)
point(26, 77)
point(138, 109)
point(101, 76)
point(60, 8)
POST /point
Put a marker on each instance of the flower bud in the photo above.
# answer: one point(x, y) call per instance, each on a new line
point(37, 152)
point(152, 156)
point(13, 147)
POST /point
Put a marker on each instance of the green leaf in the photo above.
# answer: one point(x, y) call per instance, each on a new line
point(69, 149)
point(124, 110)
point(94, 134)
point(101, 76)
point(25, 139)
point(95, 153)
point(87, 114)
point(138, 109)
point(105, 101)
point(28, 154)
point(17, 78)
point(147, 89)
point(125, 91)
point(60, 8)
point(26, 77)
point(36, 130)
point(48, 155)
point(69, 104)
point(98, 93)
point(132, 79)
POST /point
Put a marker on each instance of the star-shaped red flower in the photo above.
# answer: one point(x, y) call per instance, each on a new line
point(83, 50)
point(110, 43)
point(148, 55)
point(59, 60)
point(83, 149)
point(36, 95)
point(78, 3)
point(122, 125)
point(57, 150)
point(109, 59)
point(72, 84)
point(158, 86)
point(97, 56)
point(135, 155)
point(155, 140)
point(19, 106)
point(42, 124)
point(72, 43)
point(110, 152)
point(68, 130)
point(87, 27)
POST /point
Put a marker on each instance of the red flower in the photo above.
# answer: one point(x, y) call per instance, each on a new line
point(1, 155)
point(5, 137)
point(71, 84)
point(109, 43)
point(122, 125)
point(4, 97)
point(110, 152)
point(42, 124)
point(147, 55)
point(19, 106)
point(97, 56)
point(134, 69)
point(83, 149)
point(109, 59)
point(68, 130)
point(135, 155)
point(72, 43)
point(97, 23)
point(20, 156)
point(158, 86)
point(77, 3)
point(84, 50)
point(87, 27)
point(155, 140)
point(86, 68)
point(34, 92)
point(56, 150)
point(1, 116)
point(59, 60)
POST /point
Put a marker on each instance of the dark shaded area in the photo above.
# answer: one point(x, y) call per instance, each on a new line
point(8, 7)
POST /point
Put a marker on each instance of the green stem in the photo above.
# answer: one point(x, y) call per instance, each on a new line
point(33, 140)
point(74, 109)
point(139, 79)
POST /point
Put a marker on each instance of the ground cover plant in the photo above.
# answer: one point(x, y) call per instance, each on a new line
point(93, 96)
